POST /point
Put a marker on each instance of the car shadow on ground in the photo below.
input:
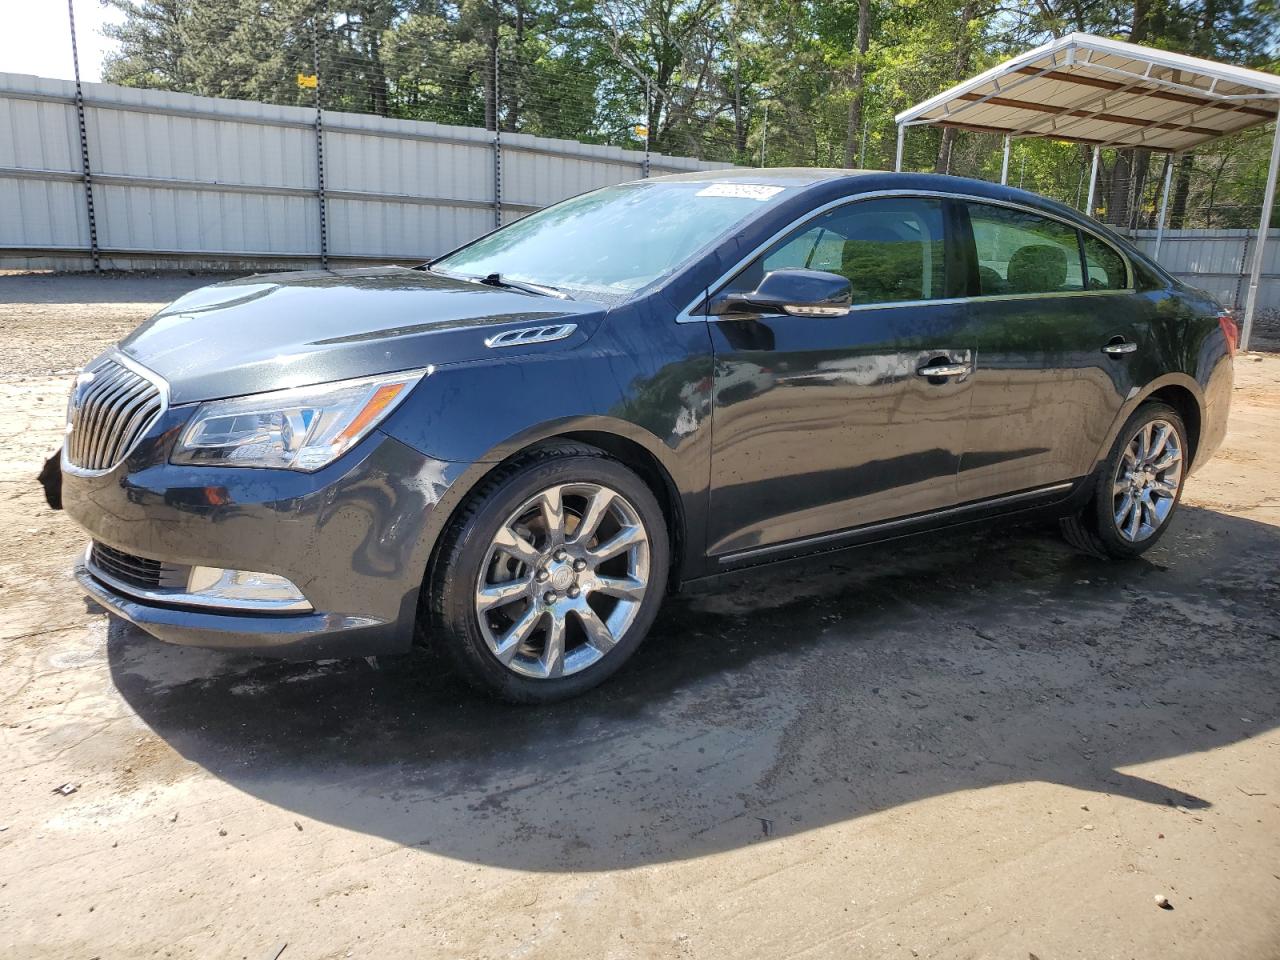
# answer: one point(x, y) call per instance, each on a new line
point(793, 698)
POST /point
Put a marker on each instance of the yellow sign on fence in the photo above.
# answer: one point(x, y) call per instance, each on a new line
point(308, 81)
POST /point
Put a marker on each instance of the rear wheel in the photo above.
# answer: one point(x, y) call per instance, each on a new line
point(551, 576)
point(1137, 489)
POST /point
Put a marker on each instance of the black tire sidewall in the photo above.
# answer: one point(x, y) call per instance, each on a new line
point(1102, 516)
point(458, 569)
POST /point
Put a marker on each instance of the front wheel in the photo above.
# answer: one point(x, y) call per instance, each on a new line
point(551, 576)
point(1137, 489)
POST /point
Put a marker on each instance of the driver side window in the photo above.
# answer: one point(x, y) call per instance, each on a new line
point(890, 249)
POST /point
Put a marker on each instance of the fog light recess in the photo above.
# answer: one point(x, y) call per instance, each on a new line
point(246, 589)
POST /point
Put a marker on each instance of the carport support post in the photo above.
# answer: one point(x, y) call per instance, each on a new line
point(1255, 275)
point(1164, 205)
point(897, 163)
point(1093, 180)
point(1004, 166)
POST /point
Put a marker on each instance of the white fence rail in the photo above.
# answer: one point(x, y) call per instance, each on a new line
point(196, 181)
point(1219, 261)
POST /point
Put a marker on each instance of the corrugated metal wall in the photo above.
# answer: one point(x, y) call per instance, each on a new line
point(185, 180)
point(180, 180)
point(1219, 261)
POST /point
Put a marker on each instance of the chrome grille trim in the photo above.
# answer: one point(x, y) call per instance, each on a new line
point(113, 404)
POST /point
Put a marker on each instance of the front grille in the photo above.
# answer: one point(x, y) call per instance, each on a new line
point(111, 408)
point(141, 572)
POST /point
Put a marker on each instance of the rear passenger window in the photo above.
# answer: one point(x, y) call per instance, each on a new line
point(1020, 252)
point(890, 249)
point(1104, 265)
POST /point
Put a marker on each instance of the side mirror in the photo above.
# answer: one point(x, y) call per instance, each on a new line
point(801, 293)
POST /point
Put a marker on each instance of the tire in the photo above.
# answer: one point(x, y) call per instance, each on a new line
point(1099, 529)
point(539, 585)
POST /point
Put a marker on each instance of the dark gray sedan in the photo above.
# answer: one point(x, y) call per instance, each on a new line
point(513, 452)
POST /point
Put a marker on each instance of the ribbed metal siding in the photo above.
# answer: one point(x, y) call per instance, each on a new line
point(180, 178)
point(111, 408)
point(45, 208)
point(1219, 262)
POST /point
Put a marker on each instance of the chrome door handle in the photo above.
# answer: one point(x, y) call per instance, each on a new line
point(944, 370)
point(1123, 346)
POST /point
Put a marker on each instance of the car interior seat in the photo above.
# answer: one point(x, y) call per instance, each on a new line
point(1037, 268)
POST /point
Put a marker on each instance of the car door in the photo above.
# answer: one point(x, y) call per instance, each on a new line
point(1051, 323)
point(826, 423)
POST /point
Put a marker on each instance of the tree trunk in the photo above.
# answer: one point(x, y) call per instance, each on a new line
point(739, 119)
point(963, 52)
point(1141, 167)
point(1141, 21)
point(854, 129)
point(945, 146)
point(1118, 195)
point(491, 75)
point(1153, 221)
point(378, 90)
point(1181, 192)
point(515, 73)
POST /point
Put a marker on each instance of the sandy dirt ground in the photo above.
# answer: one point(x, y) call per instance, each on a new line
point(984, 746)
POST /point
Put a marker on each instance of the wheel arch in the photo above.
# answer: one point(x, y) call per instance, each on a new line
point(1179, 391)
point(1188, 406)
point(640, 460)
point(635, 448)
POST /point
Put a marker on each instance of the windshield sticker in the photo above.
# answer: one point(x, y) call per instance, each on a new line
point(746, 191)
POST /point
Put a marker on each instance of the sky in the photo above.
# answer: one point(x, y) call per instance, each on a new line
point(36, 37)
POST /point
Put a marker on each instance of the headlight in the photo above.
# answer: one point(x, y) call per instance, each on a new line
point(300, 429)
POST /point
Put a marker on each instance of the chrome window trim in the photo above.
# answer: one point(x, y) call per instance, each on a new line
point(161, 385)
point(688, 316)
point(1129, 273)
point(184, 599)
point(804, 543)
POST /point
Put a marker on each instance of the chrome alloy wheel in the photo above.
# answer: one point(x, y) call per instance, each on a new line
point(563, 580)
point(1147, 480)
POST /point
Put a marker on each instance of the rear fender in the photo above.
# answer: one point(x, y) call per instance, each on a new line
point(1137, 397)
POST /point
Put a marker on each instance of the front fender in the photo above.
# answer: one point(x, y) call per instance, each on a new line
point(653, 391)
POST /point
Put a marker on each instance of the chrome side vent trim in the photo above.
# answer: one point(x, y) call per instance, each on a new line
point(528, 335)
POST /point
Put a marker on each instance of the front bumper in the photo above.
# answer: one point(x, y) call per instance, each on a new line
point(313, 636)
point(355, 538)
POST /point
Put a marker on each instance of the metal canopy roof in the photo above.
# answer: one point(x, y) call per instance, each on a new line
point(1106, 93)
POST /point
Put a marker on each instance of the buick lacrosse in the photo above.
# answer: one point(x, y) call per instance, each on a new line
point(513, 452)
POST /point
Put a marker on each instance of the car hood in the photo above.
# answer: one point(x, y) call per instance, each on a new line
point(294, 329)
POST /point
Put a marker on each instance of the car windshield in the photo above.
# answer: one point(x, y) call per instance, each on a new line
point(614, 241)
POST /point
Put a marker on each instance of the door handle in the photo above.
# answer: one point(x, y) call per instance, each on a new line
point(1118, 346)
point(944, 370)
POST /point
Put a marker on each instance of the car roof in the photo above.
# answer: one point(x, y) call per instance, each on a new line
point(826, 177)
point(829, 183)
point(774, 176)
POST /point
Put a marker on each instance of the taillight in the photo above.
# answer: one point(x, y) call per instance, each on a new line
point(1231, 331)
